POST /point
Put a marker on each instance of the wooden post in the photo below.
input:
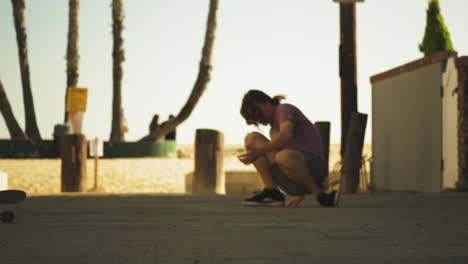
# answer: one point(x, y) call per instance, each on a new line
point(96, 158)
point(73, 155)
point(208, 175)
point(348, 68)
point(353, 155)
point(324, 130)
point(96, 150)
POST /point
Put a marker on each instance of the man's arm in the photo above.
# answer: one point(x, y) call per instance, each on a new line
point(285, 134)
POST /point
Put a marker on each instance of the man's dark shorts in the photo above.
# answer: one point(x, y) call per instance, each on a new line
point(316, 167)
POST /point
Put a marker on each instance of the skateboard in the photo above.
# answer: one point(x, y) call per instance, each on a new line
point(8, 197)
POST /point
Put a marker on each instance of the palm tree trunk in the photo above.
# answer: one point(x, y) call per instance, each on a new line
point(13, 127)
point(31, 125)
point(118, 57)
point(202, 79)
point(73, 58)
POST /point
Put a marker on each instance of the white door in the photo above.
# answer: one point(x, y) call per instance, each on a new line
point(449, 124)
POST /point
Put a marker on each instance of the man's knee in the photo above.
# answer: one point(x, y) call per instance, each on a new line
point(252, 138)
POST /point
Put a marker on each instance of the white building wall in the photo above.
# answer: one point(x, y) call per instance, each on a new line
point(450, 125)
point(407, 131)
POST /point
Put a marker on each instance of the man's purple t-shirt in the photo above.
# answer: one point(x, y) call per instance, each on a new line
point(306, 137)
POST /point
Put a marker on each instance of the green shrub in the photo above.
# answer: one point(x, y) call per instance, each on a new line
point(436, 35)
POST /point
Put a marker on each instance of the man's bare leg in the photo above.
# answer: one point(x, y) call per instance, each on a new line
point(293, 164)
point(262, 164)
point(270, 196)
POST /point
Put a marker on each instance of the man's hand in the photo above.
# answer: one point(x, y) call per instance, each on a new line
point(251, 156)
point(295, 201)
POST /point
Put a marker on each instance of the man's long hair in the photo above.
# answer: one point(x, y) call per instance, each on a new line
point(248, 110)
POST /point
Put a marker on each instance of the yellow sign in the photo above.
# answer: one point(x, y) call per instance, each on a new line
point(77, 99)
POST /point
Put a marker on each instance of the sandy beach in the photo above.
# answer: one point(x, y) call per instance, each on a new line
point(133, 175)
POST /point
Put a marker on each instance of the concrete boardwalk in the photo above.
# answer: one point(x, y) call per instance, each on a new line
point(379, 228)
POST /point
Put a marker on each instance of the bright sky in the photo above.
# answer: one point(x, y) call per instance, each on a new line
point(278, 46)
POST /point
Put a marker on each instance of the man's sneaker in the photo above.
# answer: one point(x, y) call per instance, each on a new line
point(267, 197)
point(329, 199)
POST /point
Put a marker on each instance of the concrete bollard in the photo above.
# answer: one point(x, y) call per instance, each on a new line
point(3, 181)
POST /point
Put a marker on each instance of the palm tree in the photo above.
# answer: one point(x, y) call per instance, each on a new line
point(13, 127)
point(118, 57)
point(73, 58)
point(202, 78)
point(32, 130)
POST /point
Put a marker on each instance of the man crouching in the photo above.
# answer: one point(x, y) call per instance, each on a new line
point(292, 160)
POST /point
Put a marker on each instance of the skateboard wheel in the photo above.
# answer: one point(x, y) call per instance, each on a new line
point(8, 216)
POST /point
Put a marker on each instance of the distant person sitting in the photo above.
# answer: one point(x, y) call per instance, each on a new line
point(172, 134)
point(152, 130)
point(154, 125)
